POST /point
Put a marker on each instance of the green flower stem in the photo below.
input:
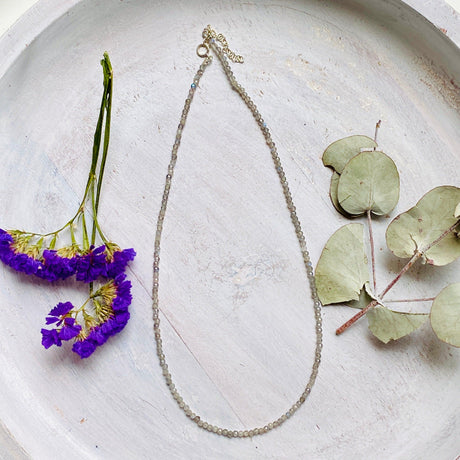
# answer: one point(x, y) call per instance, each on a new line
point(72, 235)
point(95, 221)
point(85, 232)
point(406, 267)
point(107, 103)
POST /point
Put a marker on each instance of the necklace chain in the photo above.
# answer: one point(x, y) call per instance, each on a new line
point(210, 41)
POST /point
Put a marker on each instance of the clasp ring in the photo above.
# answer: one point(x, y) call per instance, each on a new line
point(200, 48)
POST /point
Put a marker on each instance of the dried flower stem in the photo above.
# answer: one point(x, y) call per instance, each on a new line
point(107, 105)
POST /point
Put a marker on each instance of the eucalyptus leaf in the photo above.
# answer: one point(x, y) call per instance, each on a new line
point(420, 226)
point(365, 298)
point(333, 194)
point(457, 211)
point(388, 325)
point(445, 315)
point(369, 181)
point(342, 268)
point(340, 152)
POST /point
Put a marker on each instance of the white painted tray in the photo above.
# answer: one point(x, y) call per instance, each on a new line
point(239, 327)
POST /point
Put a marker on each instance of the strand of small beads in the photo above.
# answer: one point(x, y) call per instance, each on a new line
point(210, 41)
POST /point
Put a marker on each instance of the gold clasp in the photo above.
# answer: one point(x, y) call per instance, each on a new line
point(199, 50)
point(209, 34)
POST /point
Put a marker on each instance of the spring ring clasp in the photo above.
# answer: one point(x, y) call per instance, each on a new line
point(202, 50)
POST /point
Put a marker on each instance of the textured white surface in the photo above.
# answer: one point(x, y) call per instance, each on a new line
point(237, 319)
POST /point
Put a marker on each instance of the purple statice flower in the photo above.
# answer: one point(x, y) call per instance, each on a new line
point(65, 327)
point(109, 324)
point(70, 330)
point(84, 348)
point(55, 267)
point(17, 260)
point(61, 309)
point(24, 263)
point(50, 337)
point(92, 265)
point(119, 261)
point(5, 246)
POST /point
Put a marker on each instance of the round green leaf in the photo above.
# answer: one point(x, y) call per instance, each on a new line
point(445, 315)
point(420, 226)
point(369, 181)
point(342, 268)
point(340, 152)
point(333, 194)
point(388, 325)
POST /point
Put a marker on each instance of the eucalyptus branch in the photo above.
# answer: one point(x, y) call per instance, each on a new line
point(406, 267)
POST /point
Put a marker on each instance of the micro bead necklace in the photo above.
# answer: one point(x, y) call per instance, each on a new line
point(211, 41)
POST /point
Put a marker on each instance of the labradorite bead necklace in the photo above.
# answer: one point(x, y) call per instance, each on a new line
point(218, 45)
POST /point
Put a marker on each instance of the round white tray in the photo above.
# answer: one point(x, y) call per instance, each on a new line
point(237, 317)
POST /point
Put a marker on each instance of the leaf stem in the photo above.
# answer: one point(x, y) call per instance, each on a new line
point(415, 257)
point(426, 299)
point(377, 126)
point(371, 241)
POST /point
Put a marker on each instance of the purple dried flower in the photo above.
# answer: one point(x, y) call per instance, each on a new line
point(24, 263)
point(56, 267)
point(5, 244)
point(62, 308)
point(119, 261)
point(19, 261)
point(50, 337)
point(70, 329)
point(91, 265)
point(112, 318)
point(84, 348)
point(66, 328)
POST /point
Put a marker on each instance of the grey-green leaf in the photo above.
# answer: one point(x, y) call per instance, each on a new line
point(342, 268)
point(369, 181)
point(340, 152)
point(388, 325)
point(445, 315)
point(365, 298)
point(333, 194)
point(457, 211)
point(420, 226)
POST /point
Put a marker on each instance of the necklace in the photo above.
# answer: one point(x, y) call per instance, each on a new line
point(210, 42)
